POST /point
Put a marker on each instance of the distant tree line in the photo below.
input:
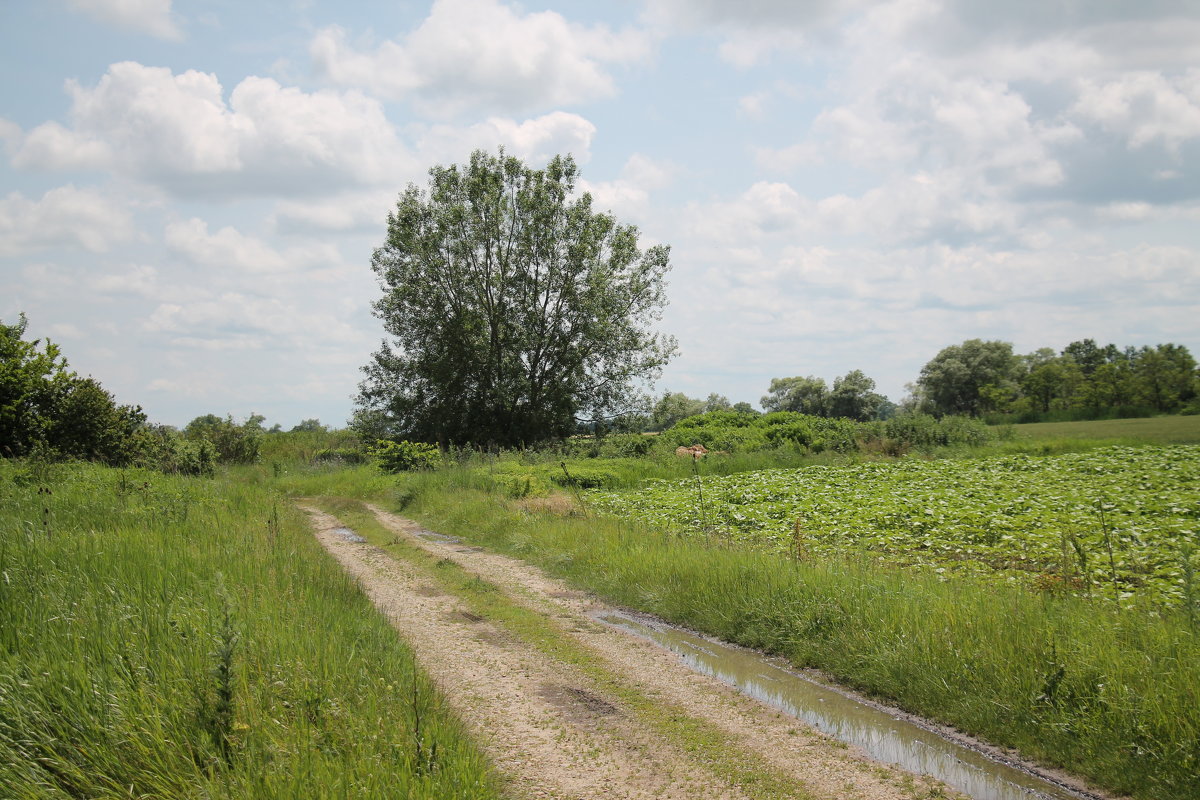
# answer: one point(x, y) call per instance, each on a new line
point(1083, 381)
point(984, 379)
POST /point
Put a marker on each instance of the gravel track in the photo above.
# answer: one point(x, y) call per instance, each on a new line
point(546, 725)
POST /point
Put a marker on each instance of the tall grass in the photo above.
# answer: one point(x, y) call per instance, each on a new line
point(180, 637)
point(1114, 697)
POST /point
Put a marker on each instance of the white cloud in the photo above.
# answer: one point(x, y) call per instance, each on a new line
point(65, 216)
point(483, 54)
point(144, 16)
point(229, 249)
point(534, 140)
point(178, 132)
point(359, 211)
point(140, 279)
point(629, 194)
point(753, 105)
point(51, 146)
point(1145, 107)
point(753, 31)
point(65, 330)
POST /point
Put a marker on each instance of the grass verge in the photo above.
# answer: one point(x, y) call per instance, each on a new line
point(179, 637)
point(1111, 696)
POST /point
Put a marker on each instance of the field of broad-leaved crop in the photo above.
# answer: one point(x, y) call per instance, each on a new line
point(1121, 522)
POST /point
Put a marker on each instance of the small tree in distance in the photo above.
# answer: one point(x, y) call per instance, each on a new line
point(514, 309)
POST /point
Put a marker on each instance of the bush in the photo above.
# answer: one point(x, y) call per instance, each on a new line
point(586, 476)
point(618, 445)
point(234, 444)
point(163, 449)
point(405, 456)
point(45, 408)
point(340, 455)
point(730, 431)
point(923, 430)
point(521, 484)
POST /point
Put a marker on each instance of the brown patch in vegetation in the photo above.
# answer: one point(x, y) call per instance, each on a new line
point(558, 504)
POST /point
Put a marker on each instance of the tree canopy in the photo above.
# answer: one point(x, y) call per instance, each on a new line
point(1083, 380)
point(514, 309)
point(853, 396)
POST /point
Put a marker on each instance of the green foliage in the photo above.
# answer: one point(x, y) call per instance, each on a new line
point(586, 476)
point(1084, 381)
point(405, 456)
point(517, 481)
point(1005, 515)
point(179, 638)
point(514, 308)
point(233, 443)
point(673, 407)
point(728, 431)
point(619, 445)
point(853, 397)
point(736, 432)
point(45, 407)
point(164, 449)
point(924, 431)
point(802, 395)
point(954, 381)
point(977, 654)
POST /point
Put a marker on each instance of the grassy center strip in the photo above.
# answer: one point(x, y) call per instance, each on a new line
point(710, 748)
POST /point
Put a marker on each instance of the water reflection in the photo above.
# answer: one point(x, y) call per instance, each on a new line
point(880, 735)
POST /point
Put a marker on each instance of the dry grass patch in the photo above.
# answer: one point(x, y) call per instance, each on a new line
point(557, 504)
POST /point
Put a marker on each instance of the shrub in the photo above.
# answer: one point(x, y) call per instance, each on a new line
point(923, 430)
point(405, 456)
point(234, 444)
point(586, 476)
point(340, 455)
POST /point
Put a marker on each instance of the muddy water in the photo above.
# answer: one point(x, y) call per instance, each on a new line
point(881, 735)
point(348, 535)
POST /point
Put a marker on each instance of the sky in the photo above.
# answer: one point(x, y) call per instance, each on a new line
point(190, 192)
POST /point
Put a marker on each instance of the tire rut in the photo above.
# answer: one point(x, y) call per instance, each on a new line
point(544, 725)
point(512, 695)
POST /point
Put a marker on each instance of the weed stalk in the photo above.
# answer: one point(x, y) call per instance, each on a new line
point(1189, 583)
point(1106, 530)
point(45, 493)
point(220, 718)
point(426, 759)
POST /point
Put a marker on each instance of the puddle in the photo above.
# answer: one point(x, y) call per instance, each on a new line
point(881, 735)
point(433, 536)
point(348, 535)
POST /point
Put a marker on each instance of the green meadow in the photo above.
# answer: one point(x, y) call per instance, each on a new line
point(167, 636)
point(187, 637)
point(1142, 430)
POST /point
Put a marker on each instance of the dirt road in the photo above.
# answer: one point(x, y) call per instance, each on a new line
point(582, 710)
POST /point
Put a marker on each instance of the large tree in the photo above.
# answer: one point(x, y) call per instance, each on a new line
point(515, 309)
point(958, 379)
point(806, 395)
point(854, 397)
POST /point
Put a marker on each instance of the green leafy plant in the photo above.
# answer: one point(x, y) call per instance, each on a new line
point(405, 456)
